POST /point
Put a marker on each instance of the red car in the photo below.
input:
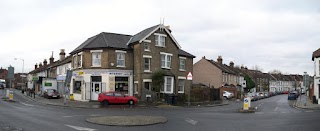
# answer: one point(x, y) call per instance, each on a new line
point(116, 98)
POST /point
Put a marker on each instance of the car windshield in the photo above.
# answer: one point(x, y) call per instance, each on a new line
point(51, 91)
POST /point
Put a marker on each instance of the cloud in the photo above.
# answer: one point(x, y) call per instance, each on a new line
point(270, 33)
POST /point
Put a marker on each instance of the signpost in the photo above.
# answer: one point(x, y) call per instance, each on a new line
point(246, 103)
point(189, 77)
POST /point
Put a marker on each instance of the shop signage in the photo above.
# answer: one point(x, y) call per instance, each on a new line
point(80, 73)
point(35, 78)
point(119, 74)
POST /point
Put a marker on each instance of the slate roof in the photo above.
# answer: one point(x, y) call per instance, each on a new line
point(105, 40)
point(184, 53)
point(222, 67)
point(142, 34)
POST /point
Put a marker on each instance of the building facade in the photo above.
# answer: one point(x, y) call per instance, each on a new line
point(316, 59)
point(124, 63)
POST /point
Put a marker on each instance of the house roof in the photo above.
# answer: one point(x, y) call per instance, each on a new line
point(316, 54)
point(184, 53)
point(139, 36)
point(52, 65)
point(104, 40)
point(222, 67)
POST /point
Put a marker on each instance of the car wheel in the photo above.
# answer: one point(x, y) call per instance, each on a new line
point(105, 103)
point(225, 98)
point(130, 102)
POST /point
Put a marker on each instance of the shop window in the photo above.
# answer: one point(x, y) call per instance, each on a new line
point(121, 84)
point(77, 87)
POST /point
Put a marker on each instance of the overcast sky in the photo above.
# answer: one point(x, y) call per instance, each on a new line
point(273, 34)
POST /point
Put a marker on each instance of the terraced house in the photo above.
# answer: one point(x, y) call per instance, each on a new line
point(125, 63)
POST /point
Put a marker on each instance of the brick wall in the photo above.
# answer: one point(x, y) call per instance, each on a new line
point(206, 73)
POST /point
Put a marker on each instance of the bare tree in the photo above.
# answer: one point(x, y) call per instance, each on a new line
point(275, 71)
point(258, 68)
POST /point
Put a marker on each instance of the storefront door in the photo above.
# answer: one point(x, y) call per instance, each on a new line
point(95, 90)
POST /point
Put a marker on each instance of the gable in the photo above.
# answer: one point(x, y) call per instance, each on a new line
point(143, 35)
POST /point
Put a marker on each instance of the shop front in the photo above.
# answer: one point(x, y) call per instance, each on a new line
point(88, 84)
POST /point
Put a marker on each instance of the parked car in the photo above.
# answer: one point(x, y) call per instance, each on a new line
point(296, 92)
point(261, 95)
point(107, 98)
point(51, 93)
point(292, 96)
point(227, 95)
point(253, 96)
point(266, 94)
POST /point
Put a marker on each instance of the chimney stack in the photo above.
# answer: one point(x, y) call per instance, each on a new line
point(242, 67)
point(204, 57)
point(51, 59)
point(231, 64)
point(36, 66)
point(45, 63)
point(62, 54)
point(40, 65)
point(219, 59)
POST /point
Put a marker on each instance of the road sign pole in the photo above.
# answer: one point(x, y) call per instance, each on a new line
point(189, 77)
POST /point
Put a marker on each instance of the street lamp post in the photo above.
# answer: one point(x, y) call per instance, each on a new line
point(22, 72)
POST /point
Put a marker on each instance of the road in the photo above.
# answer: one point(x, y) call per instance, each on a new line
point(275, 113)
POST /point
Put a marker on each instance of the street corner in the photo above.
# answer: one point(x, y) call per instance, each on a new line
point(127, 120)
point(250, 110)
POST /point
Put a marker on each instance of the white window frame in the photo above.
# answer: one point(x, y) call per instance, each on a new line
point(184, 86)
point(75, 62)
point(147, 57)
point(165, 85)
point(121, 52)
point(146, 42)
point(166, 65)
point(158, 40)
point(185, 61)
point(135, 90)
point(93, 52)
point(150, 84)
point(80, 60)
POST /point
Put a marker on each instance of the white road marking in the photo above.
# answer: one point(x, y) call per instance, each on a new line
point(284, 112)
point(26, 104)
point(256, 107)
point(80, 128)
point(276, 109)
point(259, 113)
point(80, 115)
point(308, 111)
point(193, 122)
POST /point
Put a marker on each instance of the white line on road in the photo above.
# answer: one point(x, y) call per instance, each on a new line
point(80, 128)
point(259, 113)
point(193, 122)
point(256, 107)
point(26, 104)
point(308, 111)
point(276, 109)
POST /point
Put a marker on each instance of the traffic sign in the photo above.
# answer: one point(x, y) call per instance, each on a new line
point(189, 76)
point(246, 103)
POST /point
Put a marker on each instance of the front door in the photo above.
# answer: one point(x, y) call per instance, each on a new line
point(95, 90)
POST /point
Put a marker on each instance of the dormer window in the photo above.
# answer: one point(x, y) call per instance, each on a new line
point(160, 39)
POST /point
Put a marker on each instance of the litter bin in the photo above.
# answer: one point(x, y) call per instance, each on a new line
point(174, 99)
point(314, 100)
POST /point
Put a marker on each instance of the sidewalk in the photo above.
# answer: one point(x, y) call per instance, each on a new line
point(95, 104)
point(60, 102)
point(303, 102)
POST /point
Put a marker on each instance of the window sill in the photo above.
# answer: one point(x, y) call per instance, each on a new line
point(147, 71)
point(121, 66)
point(147, 50)
point(160, 46)
point(182, 70)
point(181, 92)
point(96, 66)
point(166, 68)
